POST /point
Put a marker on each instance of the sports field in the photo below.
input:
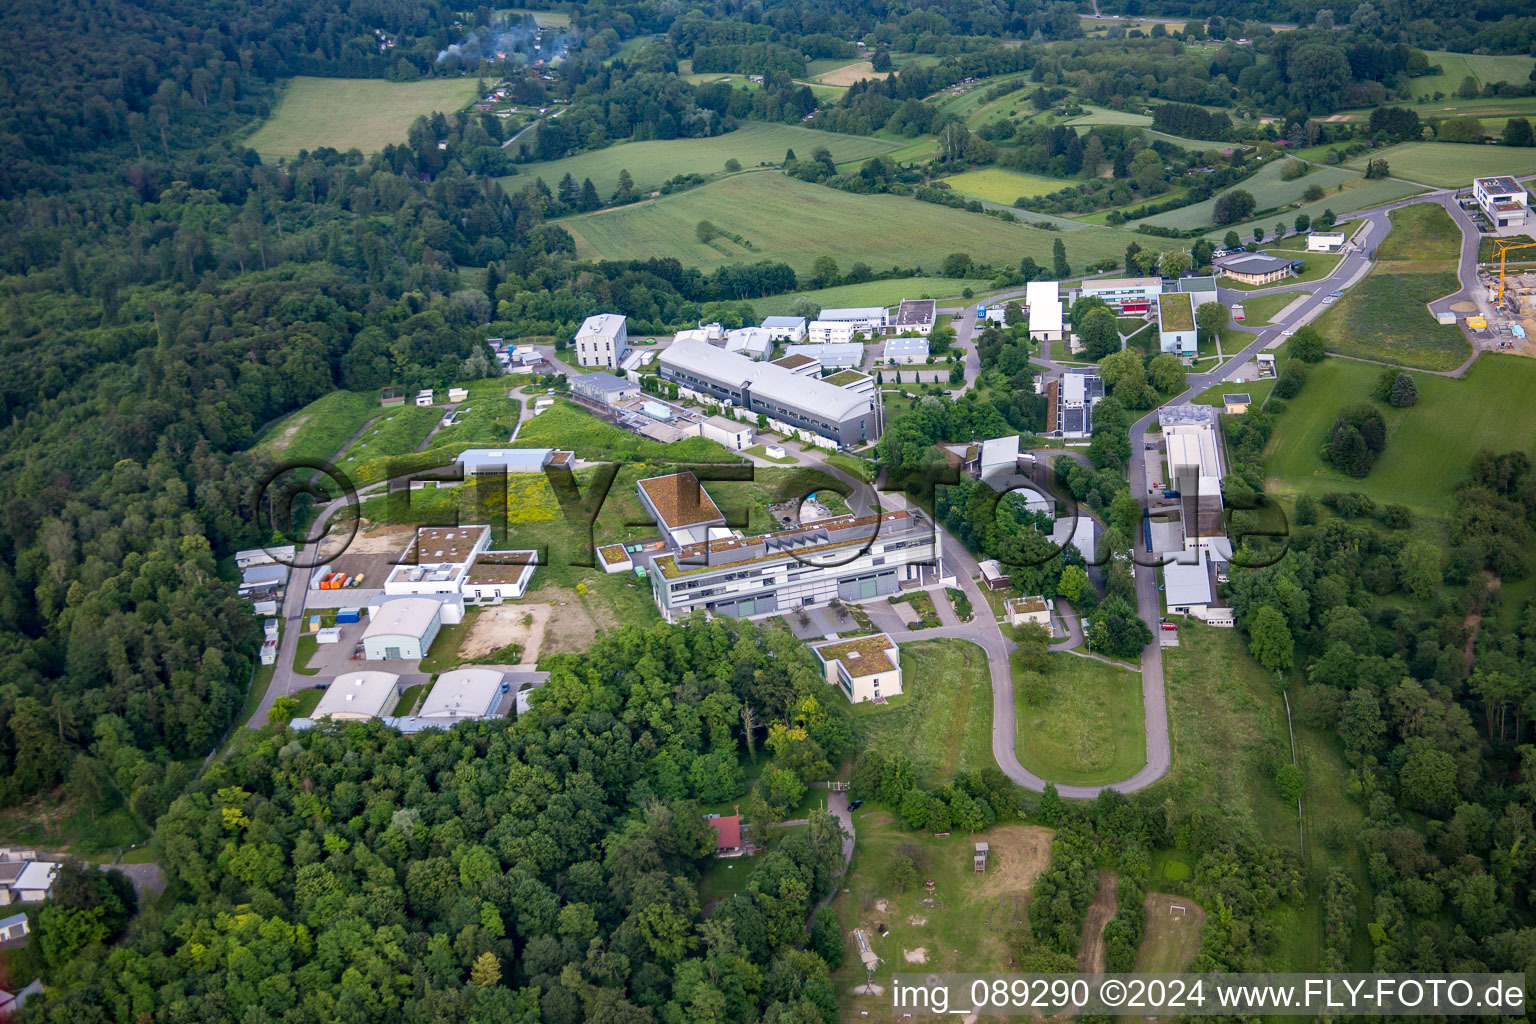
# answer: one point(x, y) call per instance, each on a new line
point(653, 162)
point(1000, 186)
point(1267, 188)
point(1450, 164)
point(1384, 317)
point(1429, 445)
point(344, 113)
point(782, 218)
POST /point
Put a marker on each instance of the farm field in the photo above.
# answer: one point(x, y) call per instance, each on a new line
point(1227, 728)
point(1429, 445)
point(1268, 190)
point(347, 113)
point(962, 926)
point(997, 185)
point(873, 293)
point(1384, 316)
point(545, 19)
point(1089, 727)
point(318, 430)
point(849, 73)
point(879, 230)
point(1450, 164)
point(1357, 195)
point(943, 721)
point(653, 162)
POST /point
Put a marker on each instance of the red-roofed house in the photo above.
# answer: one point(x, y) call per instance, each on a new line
point(727, 835)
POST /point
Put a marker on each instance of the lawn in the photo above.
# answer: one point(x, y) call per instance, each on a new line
point(653, 162)
point(1088, 728)
point(1268, 189)
point(318, 430)
point(1103, 115)
point(1450, 164)
point(1262, 309)
point(1429, 445)
point(407, 702)
point(398, 431)
point(84, 829)
point(997, 185)
point(1318, 266)
point(785, 219)
point(1486, 68)
point(943, 719)
point(347, 113)
point(1358, 194)
point(566, 425)
point(1385, 317)
point(873, 293)
point(1227, 727)
point(1258, 390)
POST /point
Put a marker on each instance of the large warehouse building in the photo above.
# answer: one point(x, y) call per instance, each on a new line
point(464, 693)
point(813, 408)
point(359, 696)
point(402, 628)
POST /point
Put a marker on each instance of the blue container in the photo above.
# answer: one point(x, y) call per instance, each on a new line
point(347, 615)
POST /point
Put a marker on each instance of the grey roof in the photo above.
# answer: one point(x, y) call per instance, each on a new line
point(1191, 285)
point(851, 354)
point(1187, 584)
point(605, 381)
point(1186, 415)
point(895, 347)
point(854, 313)
point(781, 322)
point(515, 460)
point(1078, 388)
point(1253, 263)
point(258, 574)
point(916, 311)
point(767, 381)
point(1236, 399)
point(602, 325)
point(997, 451)
point(1500, 184)
point(13, 920)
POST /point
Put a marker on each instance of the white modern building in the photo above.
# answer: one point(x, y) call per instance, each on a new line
point(831, 332)
point(906, 351)
point(359, 696)
point(868, 320)
point(1130, 295)
point(1502, 199)
point(603, 388)
point(865, 668)
point(511, 461)
point(1187, 587)
point(734, 434)
point(917, 315)
point(455, 564)
point(602, 340)
point(787, 329)
point(752, 342)
point(402, 628)
point(1043, 302)
point(1325, 241)
point(464, 693)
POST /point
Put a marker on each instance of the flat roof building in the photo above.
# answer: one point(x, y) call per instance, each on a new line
point(464, 693)
point(916, 315)
point(603, 388)
point(870, 320)
point(473, 461)
point(1125, 294)
point(1325, 241)
point(801, 404)
point(1502, 199)
point(358, 696)
point(789, 329)
point(831, 356)
point(1187, 588)
point(1236, 404)
point(1176, 328)
point(602, 340)
point(1043, 301)
point(906, 351)
point(865, 668)
point(681, 507)
point(1069, 403)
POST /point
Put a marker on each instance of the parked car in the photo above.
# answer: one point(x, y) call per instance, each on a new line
point(1170, 625)
point(1329, 300)
point(856, 805)
point(321, 686)
point(1336, 294)
point(505, 687)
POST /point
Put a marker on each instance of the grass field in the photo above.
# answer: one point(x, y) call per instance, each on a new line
point(397, 432)
point(1267, 188)
point(318, 430)
point(1384, 317)
point(873, 293)
point(653, 162)
point(565, 425)
point(943, 720)
point(1089, 728)
point(1449, 164)
point(881, 231)
point(545, 19)
point(848, 73)
point(1486, 68)
point(1258, 390)
point(1429, 445)
point(344, 113)
point(1357, 195)
point(1103, 115)
point(1227, 727)
point(1000, 186)
point(1262, 309)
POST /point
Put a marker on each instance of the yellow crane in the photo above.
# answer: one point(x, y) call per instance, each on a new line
point(1504, 249)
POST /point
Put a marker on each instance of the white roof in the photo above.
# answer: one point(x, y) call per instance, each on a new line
point(602, 325)
point(38, 874)
point(755, 341)
point(516, 460)
point(1328, 234)
point(1000, 451)
point(990, 569)
point(830, 355)
point(782, 322)
point(767, 381)
point(1186, 415)
point(906, 347)
point(1083, 535)
point(1115, 284)
point(877, 313)
point(1187, 584)
point(358, 694)
point(1044, 301)
point(1195, 448)
point(403, 616)
point(463, 693)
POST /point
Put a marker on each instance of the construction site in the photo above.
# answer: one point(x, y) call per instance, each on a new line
point(1504, 318)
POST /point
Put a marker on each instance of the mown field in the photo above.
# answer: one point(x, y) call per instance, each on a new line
point(1267, 188)
point(873, 293)
point(1486, 68)
point(1103, 115)
point(1357, 195)
point(996, 185)
point(344, 113)
point(784, 219)
point(652, 162)
point(1429, 445)
point(1450, 164)
point(1087, 728)
point(318, 430)
point(1384, 317)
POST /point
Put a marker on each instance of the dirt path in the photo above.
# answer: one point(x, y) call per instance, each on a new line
point(1090, 948)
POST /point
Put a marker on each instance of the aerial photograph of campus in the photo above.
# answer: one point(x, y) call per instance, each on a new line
point(649, 512)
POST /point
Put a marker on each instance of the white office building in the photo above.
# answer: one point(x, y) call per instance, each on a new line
point(788, 329)
point(1043, 299)
point(602, 341)
point(1502, 199)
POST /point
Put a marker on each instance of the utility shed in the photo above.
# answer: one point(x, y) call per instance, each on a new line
point(981, 857)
